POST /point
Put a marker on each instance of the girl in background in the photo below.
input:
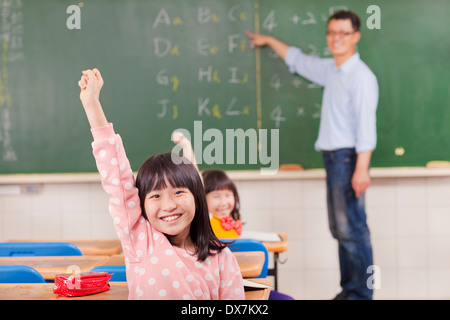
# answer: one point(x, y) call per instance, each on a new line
point(161, 219)
point(221, 195)
point(223, 204)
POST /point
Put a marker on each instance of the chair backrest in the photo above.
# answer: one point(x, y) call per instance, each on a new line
point(117, 273)
point(19, 274)
point(240, 245)
point(35, 249)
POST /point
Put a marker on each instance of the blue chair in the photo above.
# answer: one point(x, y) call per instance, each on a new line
point(241, 245)
point(118, 273)
point(19, 274)
point(35, 249)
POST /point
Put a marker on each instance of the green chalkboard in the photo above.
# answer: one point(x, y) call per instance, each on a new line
point(408, 54)
point(187, 64)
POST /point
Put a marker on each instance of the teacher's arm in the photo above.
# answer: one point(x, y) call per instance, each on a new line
point(361, 178)
point(365, 101)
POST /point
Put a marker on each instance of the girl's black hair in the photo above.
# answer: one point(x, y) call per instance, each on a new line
point(218, 180)
point(152, 175)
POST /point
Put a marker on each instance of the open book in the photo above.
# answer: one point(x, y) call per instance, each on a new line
point(261, 236)
point(256, 285)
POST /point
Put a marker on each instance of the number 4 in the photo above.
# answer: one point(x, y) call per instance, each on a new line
point(269, 21)
point(275, 115)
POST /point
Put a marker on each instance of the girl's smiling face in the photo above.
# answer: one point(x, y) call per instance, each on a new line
point(221, 202)
point(171, 210)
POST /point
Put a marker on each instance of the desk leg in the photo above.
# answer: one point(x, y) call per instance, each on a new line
point(274, 271)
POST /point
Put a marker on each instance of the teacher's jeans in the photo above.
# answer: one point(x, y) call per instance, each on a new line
point(347, 222)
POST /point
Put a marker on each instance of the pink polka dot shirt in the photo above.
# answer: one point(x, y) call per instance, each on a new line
point(156, 269)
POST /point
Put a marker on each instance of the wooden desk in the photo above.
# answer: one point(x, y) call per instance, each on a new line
point(250, 263)
point(102, 247)
point(281, 246)
point(277, 248)
point(49, 267)
point(118, 291)
point(115, 260)
point(258, 294)
point(44, 291)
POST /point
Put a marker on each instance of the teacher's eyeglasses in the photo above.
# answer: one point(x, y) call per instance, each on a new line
point(340, 34)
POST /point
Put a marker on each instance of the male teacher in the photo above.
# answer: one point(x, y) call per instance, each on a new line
point(347, 136)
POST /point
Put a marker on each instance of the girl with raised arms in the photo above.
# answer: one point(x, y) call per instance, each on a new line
point(161, 218)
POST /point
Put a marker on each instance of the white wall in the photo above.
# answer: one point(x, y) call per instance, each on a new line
point(409, 219)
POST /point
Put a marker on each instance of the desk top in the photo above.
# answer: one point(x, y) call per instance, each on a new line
point(115, 260)
point(278, 246)
point(250, 263)
point(118, 291)
point(44, 291)
point(49, 267)
point(102, 247)
point(113, 246)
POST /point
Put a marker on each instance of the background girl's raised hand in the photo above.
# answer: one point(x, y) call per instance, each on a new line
point(179, 139)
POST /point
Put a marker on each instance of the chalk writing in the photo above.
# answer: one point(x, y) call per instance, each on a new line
point(281, 83)
point(275, 115)
point(206, 46)
point(11, 39)
point(213, 74)
point(269, 22)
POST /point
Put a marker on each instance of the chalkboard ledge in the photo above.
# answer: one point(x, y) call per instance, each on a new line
point(400, 172)
point(49, 178)
point(397, 172)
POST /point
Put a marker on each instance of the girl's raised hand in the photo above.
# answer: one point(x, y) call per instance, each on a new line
point(91, 83)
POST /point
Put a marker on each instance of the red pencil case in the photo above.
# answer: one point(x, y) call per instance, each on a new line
point(73, 285)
